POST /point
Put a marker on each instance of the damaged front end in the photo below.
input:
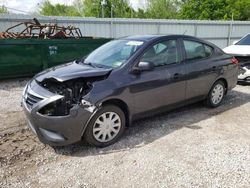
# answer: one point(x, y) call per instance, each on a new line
point(57, 111)
point(55, 102)
point(72, 91)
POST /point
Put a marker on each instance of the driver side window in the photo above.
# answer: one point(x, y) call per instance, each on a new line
point(163, 53)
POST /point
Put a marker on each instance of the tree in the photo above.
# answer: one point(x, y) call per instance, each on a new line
point(3, 9)
point(161, 9)
point(78, 5)
point(93, 8)
point(242, 10)
point(215, 9)
point(89, 8)
point(48, 9)
point(140, 13)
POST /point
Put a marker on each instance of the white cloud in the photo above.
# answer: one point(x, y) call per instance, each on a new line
point(138, 3)
point(29, 5)
point(25, 5)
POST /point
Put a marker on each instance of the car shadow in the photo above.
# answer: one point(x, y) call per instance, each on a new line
point(148, 130)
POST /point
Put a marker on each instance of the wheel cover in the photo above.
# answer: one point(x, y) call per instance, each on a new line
point(107, 126)
point(217, 94)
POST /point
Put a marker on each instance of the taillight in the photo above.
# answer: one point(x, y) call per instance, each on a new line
point(234, 60)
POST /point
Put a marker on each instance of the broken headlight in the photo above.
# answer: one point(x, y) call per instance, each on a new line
point(72, 91)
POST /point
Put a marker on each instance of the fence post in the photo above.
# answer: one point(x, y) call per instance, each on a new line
point(195, 29)
point(230, 27)
point(111, 28)
point(158, 27)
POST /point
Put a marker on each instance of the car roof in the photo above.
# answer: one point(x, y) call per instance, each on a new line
point(149, 38)
point(152, 37)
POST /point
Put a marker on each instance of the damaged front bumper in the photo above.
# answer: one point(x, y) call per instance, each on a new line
point(54, 130)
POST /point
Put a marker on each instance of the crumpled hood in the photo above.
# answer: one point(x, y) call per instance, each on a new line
point(70, 71)
point(238, 50)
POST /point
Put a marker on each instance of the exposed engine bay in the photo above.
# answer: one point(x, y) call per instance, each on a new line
point(72, 90)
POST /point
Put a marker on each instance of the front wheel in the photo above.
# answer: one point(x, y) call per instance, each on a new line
point(216, 94)
point(106, 126)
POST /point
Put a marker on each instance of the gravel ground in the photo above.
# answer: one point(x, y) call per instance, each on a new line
point(193, 146)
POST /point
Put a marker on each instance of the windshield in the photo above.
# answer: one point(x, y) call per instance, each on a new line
point(113, 54)
point(244, 41)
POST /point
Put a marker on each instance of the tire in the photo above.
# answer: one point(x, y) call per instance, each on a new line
point(100, 132)
point(216, 94)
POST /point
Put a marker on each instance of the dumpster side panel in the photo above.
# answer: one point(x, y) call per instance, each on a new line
point(26, 57)
point(19, 60)
point(59, 52)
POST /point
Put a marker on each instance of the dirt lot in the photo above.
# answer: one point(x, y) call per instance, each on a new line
point(191, 147)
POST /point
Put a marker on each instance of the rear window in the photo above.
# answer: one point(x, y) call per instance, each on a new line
point(196, 50)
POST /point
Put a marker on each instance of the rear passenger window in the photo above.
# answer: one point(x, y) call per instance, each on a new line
point(196, 50)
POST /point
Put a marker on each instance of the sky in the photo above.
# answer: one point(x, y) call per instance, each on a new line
point(32, 5)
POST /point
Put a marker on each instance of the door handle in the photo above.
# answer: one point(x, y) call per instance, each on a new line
point(176, 75)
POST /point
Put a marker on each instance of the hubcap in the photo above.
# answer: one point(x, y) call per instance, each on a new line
point(217, 94)
point(107, 126)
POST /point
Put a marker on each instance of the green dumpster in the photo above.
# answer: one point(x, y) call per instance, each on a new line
point(26, 57)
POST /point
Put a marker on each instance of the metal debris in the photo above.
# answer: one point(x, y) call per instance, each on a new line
point(42, 31)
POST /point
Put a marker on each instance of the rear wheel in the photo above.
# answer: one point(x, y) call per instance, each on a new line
point(216, 94)
point(105, 127)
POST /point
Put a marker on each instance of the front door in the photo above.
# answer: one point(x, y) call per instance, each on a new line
point(165, 84)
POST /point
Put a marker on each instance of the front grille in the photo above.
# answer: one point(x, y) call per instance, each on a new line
point(31, 100)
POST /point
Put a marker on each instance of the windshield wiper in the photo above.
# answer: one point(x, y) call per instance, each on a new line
point(82, 60)
point(95, 65)
point(89, 63)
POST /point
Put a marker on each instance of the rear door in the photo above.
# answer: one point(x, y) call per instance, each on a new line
point(201, 68)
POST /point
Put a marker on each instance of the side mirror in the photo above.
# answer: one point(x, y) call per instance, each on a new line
point(234, 42)
point(143, 66)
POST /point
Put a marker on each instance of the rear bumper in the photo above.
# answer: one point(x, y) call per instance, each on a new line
point(55, 130)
